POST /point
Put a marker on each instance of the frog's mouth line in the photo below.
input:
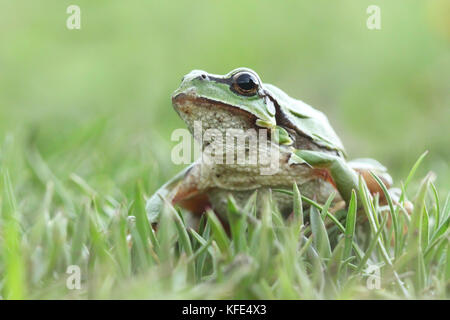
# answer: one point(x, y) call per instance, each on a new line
point(183, 103)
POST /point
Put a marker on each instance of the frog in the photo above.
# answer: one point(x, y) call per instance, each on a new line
point(303, 145)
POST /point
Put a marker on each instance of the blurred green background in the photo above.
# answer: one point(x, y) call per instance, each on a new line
point(96, 101)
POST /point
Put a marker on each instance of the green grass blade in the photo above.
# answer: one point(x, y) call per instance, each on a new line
point(437, 205)
point(218, 233)
point(339, 225)
point(393, 213)
point(298, 205)
point(349, 229)
point(326, 206)
point(14, 265)
point(372, 245)
point(320, 235)
point(411, 174)
point(237, 222)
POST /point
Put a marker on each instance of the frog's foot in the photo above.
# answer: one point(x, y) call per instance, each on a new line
point(364, 167)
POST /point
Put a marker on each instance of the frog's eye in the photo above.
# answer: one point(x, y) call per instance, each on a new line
point(245, 84)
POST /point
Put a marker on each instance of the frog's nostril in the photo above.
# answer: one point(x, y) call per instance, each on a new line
point(182, 79)
point(203, 76)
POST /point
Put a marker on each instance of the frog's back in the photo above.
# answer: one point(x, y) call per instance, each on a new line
point(306, 120)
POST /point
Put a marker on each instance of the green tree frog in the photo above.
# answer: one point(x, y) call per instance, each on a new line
point(300, 142)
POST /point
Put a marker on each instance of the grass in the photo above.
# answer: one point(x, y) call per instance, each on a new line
point(85, 127)
point(315, 254)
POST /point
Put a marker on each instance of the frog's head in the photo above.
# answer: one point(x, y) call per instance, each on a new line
point(235, 100)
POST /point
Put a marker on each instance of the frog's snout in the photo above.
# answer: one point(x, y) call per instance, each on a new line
point(194, 74)
point(188, 85)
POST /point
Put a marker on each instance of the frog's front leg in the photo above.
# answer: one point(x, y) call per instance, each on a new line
point(345, 174)
point(183, 189)
point(344, 177)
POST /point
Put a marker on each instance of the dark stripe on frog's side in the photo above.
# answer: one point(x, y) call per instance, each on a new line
point(301, 140)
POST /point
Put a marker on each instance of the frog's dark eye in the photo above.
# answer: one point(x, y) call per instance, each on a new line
point(245, 83)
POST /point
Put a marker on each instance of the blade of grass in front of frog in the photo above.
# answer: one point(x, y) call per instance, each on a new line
point(442, 229)
point(121, 250)
point(263, 290)
point(401, 202)
point(202, 241)
point(437, 205)
point(429, 252)
point(297, 206)
point(425, 226)
point(303, 277)
point(318, 277)
point(369, 210)
point(393, 213)
point(336, 258)
point(237, 222)
point(139, 256)
point(326, 206)
point(83, 185)
point(447, 268)
point(314, 204)
point(368, 207)
point(358, 250)
point(264, 237)
point(154, 239)
point(183, 236)
point(349, 232)
point(411, 174)
point(218, 233)
point(277, 219)
point(420, 275)
point(40, 227)
point(201, 229)
point(142, 223)
point(250, 205)
point(446, 209)
point(98, 251)
point(250, 212)
point(305, 246)
point(43, 173)
point(201, 250)
point(319, 232)
point(201, 258)
point(166, 235)
point(80, 234)
point(14, 285)
point(298, 221)
point(372, 244)
point(416, 216)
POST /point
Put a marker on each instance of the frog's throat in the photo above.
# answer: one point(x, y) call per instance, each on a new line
point(183, 104)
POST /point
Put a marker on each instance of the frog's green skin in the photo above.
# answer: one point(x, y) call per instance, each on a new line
point(310, 152)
